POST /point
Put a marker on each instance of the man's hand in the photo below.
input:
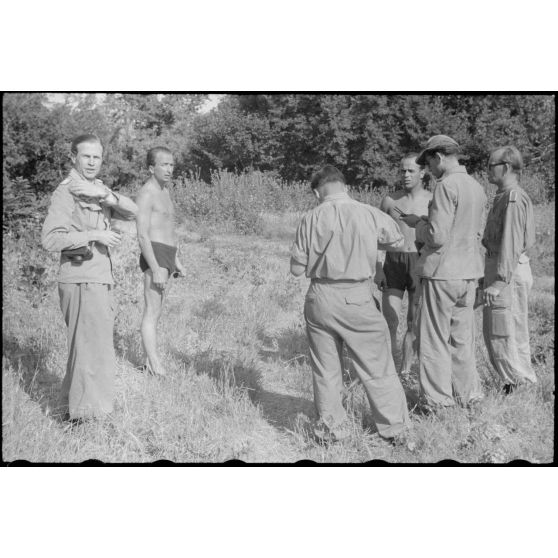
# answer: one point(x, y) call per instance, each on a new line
point(160, 278)
point(180, 269)
point(88, 189)
point(490, 294)
point(108, 238)
point(410, 219)
point(380, 279)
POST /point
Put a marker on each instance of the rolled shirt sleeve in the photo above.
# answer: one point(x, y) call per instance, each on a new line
point(435, 232)
point(58, 233)
point(390, 237)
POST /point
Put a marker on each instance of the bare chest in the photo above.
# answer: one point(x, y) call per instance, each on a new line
point(415, 206)
point(162, 206)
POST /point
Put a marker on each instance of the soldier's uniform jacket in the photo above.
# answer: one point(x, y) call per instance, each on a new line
point(70, 223)
point(509, 233)
point(452, 234)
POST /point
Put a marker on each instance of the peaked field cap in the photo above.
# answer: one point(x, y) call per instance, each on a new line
point(435, 142)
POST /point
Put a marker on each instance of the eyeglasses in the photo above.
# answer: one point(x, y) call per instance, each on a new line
point(490, 165)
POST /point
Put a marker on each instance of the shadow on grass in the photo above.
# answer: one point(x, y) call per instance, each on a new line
point(291, 346)
point(280, 410)
point(40, 384)
point(127, 346)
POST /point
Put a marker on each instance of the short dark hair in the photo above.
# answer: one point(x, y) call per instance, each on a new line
point(412, 155)
point(511, 155)
point(326, 174)
point(152, 154)
point(444, 150)
point(84, 138)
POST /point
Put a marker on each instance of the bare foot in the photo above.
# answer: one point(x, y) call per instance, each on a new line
point(156, 370)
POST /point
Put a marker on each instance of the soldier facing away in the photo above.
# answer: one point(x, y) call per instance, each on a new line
point(398, 274)
point(159, 248)
point(509, 233)
point(336, 246)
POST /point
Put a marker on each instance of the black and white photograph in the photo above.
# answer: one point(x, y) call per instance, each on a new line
point(278, 278)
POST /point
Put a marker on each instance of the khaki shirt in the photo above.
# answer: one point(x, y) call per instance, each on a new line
point(509, 233)
point(452, 234)
point(69, 224)
point(339, 239)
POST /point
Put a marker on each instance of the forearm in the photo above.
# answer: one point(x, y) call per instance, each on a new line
point(394, 246)
point(122, 205)
point(56, 240)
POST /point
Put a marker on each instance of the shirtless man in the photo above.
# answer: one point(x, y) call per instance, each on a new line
point(399, 266)
point(159, 246)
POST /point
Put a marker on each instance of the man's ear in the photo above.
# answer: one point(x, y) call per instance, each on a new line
point(73, 158)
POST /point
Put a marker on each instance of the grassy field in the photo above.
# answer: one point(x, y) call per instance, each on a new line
point(239, 386)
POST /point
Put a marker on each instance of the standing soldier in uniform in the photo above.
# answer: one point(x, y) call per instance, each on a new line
point(449, 266)
point(78, 226)
point(336, 245)
point(159, 246)
point(398, 274)
point(509, 233)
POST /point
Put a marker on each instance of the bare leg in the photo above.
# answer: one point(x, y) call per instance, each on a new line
point(152, 312)
point(408, 340)
point(391, 306)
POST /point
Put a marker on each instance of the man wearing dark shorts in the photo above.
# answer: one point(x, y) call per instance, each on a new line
point(399, 270)
point(399, 267)
point(158, 243)
point(165, 256)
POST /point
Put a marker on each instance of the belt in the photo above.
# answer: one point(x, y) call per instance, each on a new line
point(323, 281)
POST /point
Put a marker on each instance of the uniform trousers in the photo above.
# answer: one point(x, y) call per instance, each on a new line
point(446, 342)
point(340, 312)
point(506, 328)
point(88, 386)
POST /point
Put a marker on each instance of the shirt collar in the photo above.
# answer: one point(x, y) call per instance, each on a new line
point(338, 196)
point(76, 176)
point(455, 170)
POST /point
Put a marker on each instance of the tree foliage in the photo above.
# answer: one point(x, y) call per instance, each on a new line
point(288, 134)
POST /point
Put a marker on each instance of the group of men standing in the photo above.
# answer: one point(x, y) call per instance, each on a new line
point(440, 265)
point(433, 251)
